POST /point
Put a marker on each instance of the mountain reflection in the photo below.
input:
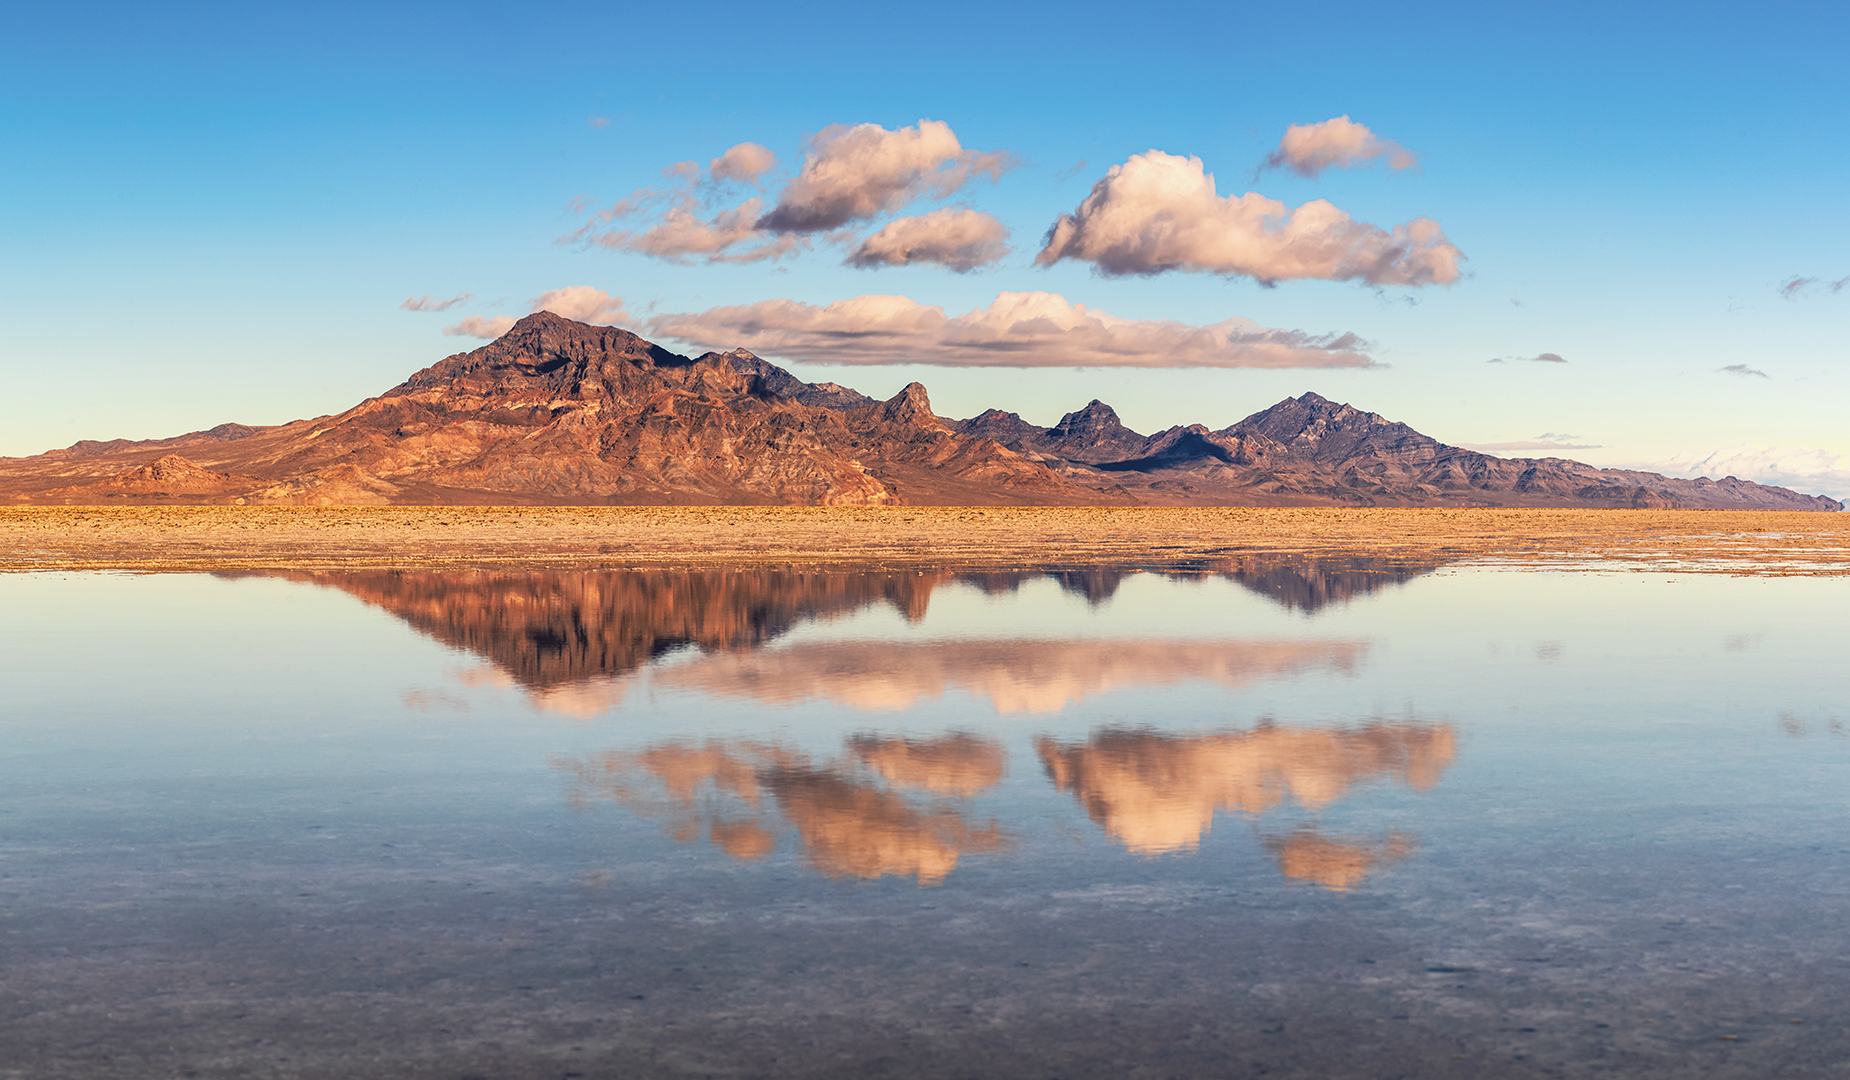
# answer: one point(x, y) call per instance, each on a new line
point(1016, 676)
point(1156, 793)
point(849, 825)
point(548, 630)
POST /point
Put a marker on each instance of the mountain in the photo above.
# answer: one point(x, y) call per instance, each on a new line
point(1310, 451)
point(558, 412)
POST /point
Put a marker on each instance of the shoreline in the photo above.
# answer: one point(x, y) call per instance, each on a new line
point(219, 538)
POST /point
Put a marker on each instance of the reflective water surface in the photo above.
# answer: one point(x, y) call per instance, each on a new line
point(1272, 816)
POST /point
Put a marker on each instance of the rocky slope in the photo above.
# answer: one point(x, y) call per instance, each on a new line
point(564, 413)
point(1310, 451)
point(560, 412)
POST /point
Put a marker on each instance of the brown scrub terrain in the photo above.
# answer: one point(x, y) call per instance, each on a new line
point(1361, 541)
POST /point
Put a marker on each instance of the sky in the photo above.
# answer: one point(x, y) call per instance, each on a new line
point(1612, 233)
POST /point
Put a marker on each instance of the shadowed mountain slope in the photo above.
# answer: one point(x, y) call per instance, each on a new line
point(559, 412)
point(1311, 451)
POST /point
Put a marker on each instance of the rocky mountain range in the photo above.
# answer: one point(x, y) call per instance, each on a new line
point(559, 412)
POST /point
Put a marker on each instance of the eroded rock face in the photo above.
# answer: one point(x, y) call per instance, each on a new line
point(560, 412)
point(779, 383)
point(1311, 451)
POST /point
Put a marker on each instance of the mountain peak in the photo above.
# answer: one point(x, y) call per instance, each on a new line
point(913, 395)
point(1095, 417)
point(548, 327)
point(910, 406)
point(562, 411)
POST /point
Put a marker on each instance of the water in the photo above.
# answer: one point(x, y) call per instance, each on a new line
point(1297, 820)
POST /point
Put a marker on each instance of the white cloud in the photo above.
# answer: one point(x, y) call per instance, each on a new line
point(481, 327)
point(681, 233)
point(1341, 143)
point(581, 303)
point(962, 240)
point(428, 302)
point(850, 173)
point(744, 163)
point(1540, 358)
point(1744, 371)
point(1806, 469)
point(1159, 212)
point(1025, 330)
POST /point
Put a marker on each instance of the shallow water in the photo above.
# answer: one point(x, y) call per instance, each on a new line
point(1298, 820)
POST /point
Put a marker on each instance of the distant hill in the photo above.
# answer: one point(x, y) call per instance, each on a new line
point(558, 412)
point(1310, 451)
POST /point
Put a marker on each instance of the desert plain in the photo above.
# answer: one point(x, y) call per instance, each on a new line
point(214, 538)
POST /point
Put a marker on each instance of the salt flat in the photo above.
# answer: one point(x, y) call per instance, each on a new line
point(484, 537)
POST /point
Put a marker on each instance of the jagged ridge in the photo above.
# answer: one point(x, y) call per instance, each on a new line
point(557, 411)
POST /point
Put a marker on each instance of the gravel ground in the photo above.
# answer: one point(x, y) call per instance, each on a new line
point(467, 537)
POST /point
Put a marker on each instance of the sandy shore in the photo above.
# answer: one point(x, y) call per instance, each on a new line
point(316, 538)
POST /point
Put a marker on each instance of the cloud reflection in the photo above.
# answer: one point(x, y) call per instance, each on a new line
point(739, 792)
point(1337, 865)
point(959, 764)
point(892, 806)
point(1158, 793)
point(1015, 676)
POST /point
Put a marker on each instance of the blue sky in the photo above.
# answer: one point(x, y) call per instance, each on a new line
point(213, 213)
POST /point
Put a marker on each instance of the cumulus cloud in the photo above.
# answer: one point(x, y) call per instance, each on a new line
point(1159, 212)
point(1807, 469)
point(962, 240)
point(1022, 330)
point(855, 172)
point(578, 302)
point(583, 304)
point(1745, 371)
point(744, 163)
point(1341, 143)
point(1539, 358)
point(849, 174)
point(428, 302)
point(681, 232)
point(481, 326)
point(1794, 287)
